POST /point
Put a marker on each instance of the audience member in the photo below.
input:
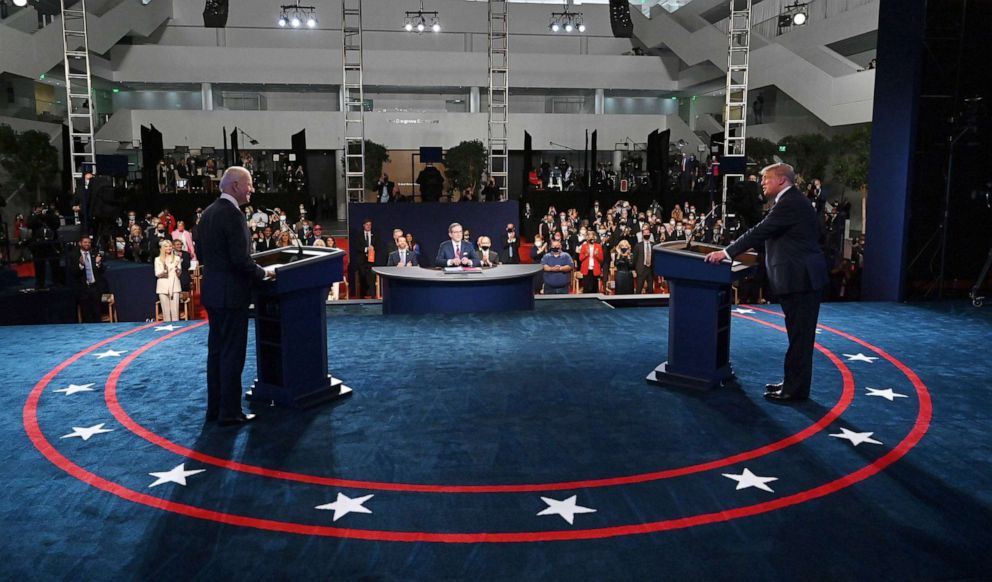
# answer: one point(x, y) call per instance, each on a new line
point(557, 266)
point(456, 252)
point(591, 263)
point(402, 256)
point(87, 268)
point(167, 270)
point(487, 257)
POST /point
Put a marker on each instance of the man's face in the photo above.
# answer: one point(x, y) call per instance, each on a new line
point(556, 247)
point(401, 244)
point(243, 188)
point(772, 183)
point(646, 233)
point(85, 244)
point(397, 234)
point(456, 234)
point(466, 235)
point(485, 243)
point(367, 227)
point(267, 231)
point(177, 245)
point(318, 231)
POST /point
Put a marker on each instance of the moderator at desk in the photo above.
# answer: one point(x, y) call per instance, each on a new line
point(415, 290)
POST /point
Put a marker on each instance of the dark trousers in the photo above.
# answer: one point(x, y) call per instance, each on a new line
point(89, 302)
point(644, 283)
point(590, 283)
point(41, 266)
point(366, 279)
point(226, 347)
point(801, 312)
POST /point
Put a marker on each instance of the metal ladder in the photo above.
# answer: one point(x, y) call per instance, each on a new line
point(499, 89)
point(78, 91)
point(735, 104)
point(353, 100)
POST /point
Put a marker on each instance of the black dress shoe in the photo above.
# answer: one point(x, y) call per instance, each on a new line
point(211, 417)
point(784, 398)
point(769, 388)
point(237, 420)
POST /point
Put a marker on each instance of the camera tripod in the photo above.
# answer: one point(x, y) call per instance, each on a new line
point(976, 299)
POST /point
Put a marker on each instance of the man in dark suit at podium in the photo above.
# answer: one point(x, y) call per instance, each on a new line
point(224, 248)
point(456, 252)
point(797, 272)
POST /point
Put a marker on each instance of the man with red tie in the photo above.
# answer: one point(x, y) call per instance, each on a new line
point(456, 252)
point(591, 263)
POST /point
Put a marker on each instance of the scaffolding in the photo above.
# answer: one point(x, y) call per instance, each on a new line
point(353, 99)
point(499, 89)
point(735, 105)
point(78, 91)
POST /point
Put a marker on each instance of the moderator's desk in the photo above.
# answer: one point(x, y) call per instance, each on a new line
point(416, 290)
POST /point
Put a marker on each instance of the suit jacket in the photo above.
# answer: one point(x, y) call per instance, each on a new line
point(358, 249)
point(446, 252)
point(597, 259)
point(223, 246)
point(492, 255)
point(790, 235)
point(639, 257)
point(505, 256)
point(265, 245)
point(166, 278)
point(394, 258)
point(78, 272)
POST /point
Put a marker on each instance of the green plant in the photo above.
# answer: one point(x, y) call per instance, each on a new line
point(29, 158)
point(375, 156)
point(463, 164)
point(851, 157)
point(808, 153)
point(761, 151)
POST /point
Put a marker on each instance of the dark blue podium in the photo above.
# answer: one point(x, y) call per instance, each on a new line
point(291, 328)
point(698, 314)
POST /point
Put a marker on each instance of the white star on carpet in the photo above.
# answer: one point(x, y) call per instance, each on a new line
point(748, 479)
point(856, 438)
point(740, 310)
point(345, 505)
point(566, 509)
point(859, 357)
point(818, 331)
point(887, 394)
point(86, 432)
point(177, 474)
point(169, 327)
point(73, 388)
point(110, 354)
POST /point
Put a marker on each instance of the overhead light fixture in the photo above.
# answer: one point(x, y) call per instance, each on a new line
point(793, 15)
point(567, 19)
point(417, 19)
point(295, 15)
point(20, 3)
point(146, 2)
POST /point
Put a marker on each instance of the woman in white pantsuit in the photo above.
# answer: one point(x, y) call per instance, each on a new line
point(167, 285)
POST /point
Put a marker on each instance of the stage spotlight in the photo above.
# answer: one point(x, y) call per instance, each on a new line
point(567, 19)
point(799, 19)
point(418, 19)
point(282, 21)
point(568, 27)
point(146, 2)
point(420, 27)
point(21, 3)
point(554, 26)
point(311, 22)
point(295, 22)
point(436, 27)
point(295, 15)
point(408, 27)
point(582, 27)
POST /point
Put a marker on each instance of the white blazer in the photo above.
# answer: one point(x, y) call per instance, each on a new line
point(167, 280)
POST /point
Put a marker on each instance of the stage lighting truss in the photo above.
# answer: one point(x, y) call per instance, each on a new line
point(295, 16)
point(420, 21)
point(794, 15)
point(566, 20)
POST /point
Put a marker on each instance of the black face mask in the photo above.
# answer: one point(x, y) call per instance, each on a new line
point(556, 250)
point(484, 248)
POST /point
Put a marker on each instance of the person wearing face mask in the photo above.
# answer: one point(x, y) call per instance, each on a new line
point(591, 263)
point(537, 252)
point(679, 233)
point(558, 266)
point(487, 256)
point(643, 261)
point(511, 252)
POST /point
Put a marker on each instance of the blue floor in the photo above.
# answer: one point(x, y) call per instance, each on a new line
point(471, 435)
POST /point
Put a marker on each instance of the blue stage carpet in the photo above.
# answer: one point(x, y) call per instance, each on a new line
point(506, 447)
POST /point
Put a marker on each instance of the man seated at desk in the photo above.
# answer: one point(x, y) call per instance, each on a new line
point(402, 256)
point(456, 252)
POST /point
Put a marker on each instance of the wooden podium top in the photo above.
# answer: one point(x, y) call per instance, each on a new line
point(744, 260)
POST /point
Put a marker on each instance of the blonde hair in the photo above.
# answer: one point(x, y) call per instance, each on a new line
point(161, 250)
point(781, 169)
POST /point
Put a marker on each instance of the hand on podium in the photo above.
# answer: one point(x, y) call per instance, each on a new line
point(270, 273)
point(716, 257)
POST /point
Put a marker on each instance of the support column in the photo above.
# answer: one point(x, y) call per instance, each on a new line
point(207, 96)
point(473, 100)
point(600, 105)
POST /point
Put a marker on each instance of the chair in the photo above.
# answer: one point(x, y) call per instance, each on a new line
point(185, 302)
point(107, 299)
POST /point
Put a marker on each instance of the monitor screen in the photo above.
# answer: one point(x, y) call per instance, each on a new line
point(431, 155)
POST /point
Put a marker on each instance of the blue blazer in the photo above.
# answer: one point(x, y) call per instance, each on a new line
point(223, 246)
point(446, 252)
point(790, 234)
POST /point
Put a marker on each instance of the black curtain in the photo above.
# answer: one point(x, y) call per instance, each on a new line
point(151, 153)
point(235, 152)
point(299, 143)
point(657, 162)
point(66, 161)
point(528, 163)
point(592, 152)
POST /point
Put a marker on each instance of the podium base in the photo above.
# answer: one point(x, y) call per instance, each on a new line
point(719, 377)
point(263, 392)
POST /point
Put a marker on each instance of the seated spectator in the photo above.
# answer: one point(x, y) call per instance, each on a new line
point(266, 242)
point(487, 257)
point(185, 261)
point(402, 256)
point(186, 236)
point(285, 239)
point(318, 236)
point(557, 268)
point(135, 249)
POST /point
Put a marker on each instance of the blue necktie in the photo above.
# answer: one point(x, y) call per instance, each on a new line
point(89, 269)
